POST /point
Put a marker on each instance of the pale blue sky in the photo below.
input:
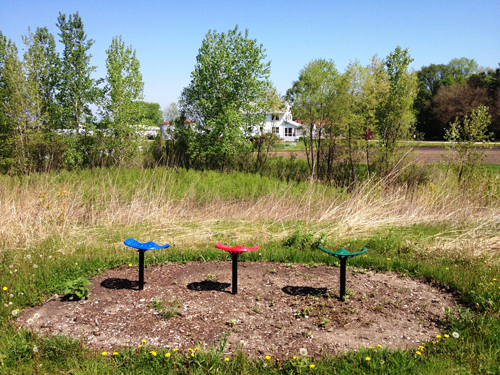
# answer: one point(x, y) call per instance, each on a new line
point(168, 34)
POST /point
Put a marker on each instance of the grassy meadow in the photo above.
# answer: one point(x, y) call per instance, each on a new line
point(57, 227)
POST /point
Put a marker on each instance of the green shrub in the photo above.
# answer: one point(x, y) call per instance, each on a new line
point(78, 288)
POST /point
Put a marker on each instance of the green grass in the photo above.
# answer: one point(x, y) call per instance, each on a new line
point(395, 249)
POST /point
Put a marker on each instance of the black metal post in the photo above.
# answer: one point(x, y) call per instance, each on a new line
point(141, 269)
point(343, 265)
point(235, 272)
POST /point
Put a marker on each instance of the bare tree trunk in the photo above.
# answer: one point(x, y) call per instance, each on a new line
point(353, 173)
point(368, 158)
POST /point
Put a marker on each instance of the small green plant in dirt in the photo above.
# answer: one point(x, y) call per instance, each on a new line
point(77, 289)
point(256, 309)
point(167, 309)
point(324, 323)
point(272, 270)
point(307, 334)
point(231, 323)
point(212, 278)
point(306, 311)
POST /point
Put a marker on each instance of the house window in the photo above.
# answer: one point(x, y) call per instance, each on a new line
point(276, 130)
point(275, 117)
point(289, 132)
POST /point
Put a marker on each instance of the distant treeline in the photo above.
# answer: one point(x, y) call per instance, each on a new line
point(226, 101)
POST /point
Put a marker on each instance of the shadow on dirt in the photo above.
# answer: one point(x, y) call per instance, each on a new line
point(116, 283)
point(303, 290)
point(207, 285)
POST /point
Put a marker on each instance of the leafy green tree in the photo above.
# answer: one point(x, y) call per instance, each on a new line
point(395, 114)
point(8, 51)
point(351, 91)
point(468, 139)
point(41, 64)
point(124, 87)
point(462, 67)
point(310, 96)
point(14, 108)
point(375, 88)
point(225, 96)
point(148, 114)
point(77, 90)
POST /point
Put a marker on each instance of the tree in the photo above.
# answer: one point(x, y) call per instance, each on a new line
point(77, 89)
point(455, 101)
point(14, 108)
point(310, 96)
point(395, 113)
point(375, 88)
point(124, 87)
point(8, 54)
point(171, 112)
point(148, 114)
point(463, 67)
point(41, 64)
point(225, 96)
point(465, 153)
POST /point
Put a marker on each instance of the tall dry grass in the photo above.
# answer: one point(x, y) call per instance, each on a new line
point(162, 203)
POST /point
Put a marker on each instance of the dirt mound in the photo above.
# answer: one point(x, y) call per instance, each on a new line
point(279, 309)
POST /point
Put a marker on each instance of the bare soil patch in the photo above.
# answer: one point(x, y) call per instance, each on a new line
point(279, 309)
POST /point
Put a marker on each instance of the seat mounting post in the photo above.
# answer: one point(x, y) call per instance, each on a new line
point(141, 269)
point(235, 273)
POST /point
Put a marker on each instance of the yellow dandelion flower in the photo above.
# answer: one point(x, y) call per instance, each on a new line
point(438, 336)
point(295, 357)
point(144, 341)
point(447, 336)
point(115, 353)
point(312, 366)
point(167, 355)
point(434, 343)
point(379, 345)
point(447, 268)
point(388, 258)
point(494, 279)
point(76, 264)
point(418, 353)
point(130, 264)
point(196, 348)
point(153, 353)
point(140, 346)
point(5, 288)
point(189, 349)
point(226, 359)
point(176, 349)
point(371, 347)
point(192, 354)
point(367, 359)
point(104, 353)
point(268, 357)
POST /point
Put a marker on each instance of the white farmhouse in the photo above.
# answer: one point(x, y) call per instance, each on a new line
point(282, 124)
point(277, 122)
